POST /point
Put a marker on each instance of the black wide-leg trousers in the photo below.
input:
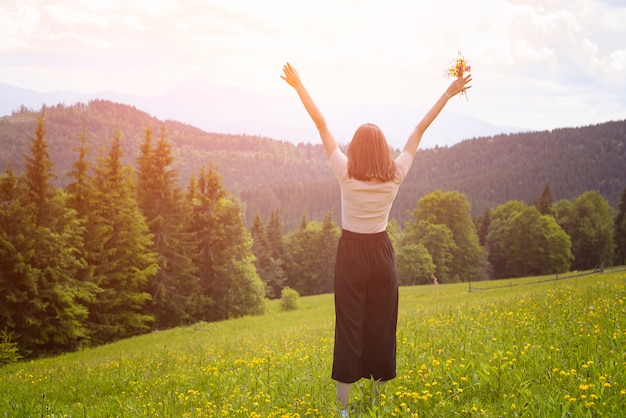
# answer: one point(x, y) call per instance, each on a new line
point(366, 308)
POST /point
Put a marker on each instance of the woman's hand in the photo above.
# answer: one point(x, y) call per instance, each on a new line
point(291, 76)
point(459, 85)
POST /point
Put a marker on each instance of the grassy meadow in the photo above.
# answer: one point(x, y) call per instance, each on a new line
point(529, 348)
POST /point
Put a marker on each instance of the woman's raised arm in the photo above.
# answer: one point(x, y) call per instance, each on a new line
point(292, 77)
point(457, 86)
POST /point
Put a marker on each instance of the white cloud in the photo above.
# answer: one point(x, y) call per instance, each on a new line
point(66, 15)
point(17, 25)
point(617, 62)
point(154, 8)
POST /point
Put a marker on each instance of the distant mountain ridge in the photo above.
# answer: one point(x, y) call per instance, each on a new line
point(216, 108)
point(267, 174)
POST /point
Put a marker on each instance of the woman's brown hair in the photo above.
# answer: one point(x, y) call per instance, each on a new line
point(369, 156)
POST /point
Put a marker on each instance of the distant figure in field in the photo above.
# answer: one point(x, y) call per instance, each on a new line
point(366, 284)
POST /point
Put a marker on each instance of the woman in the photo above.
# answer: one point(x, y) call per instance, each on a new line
point(366, 287)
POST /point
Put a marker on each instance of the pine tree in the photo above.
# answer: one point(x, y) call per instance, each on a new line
point(300, 266)
point(9, 351)
point(269, 258)
point(229, 281)
point(80, 190)
point(42, 261)
point(117, 244)
point(620, 231)
point(234, 263)
point(175, 286)
point(18, 277)
point(8, 186)
point(275, 235)
point(482, 226)
point(544, 202)
point(39, 175)
point(277, 266)
point(327, 243)
point(202, 194)
point(263, 253)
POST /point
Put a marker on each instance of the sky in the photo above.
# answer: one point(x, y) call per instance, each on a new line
point(536, 64)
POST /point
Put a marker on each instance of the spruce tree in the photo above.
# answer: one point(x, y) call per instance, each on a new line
point(300, 266)
point(202, 194)
point(80, 191)
point(544, 202)
point(18, 278)
point(275, 235)
point(175, 286)
point(263, 254)
point(327, 243)
point(117, 246)
point(482, 226)
point(278, 267)
point(39, 175)
point(233, 265)
point(620, 231)
point(229, 281)
point(42, 261)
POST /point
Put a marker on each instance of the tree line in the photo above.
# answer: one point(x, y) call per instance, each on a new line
point(442, 239)
point(120, 250)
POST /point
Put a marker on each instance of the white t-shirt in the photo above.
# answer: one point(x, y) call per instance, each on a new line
point(365, 205)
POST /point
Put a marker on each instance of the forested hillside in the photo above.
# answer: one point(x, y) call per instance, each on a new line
point(268, 174)
point(491, 171)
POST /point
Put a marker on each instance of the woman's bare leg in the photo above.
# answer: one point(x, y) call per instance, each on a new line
point(343, 393)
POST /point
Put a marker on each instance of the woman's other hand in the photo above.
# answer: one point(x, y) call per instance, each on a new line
point(291, 76)
point(459, 85)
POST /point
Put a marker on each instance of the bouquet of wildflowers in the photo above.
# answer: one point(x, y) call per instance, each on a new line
point(458, 69)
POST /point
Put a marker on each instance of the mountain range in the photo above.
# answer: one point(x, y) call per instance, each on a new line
point(217, 108)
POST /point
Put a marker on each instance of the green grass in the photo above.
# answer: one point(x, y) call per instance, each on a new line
point(547, 349)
